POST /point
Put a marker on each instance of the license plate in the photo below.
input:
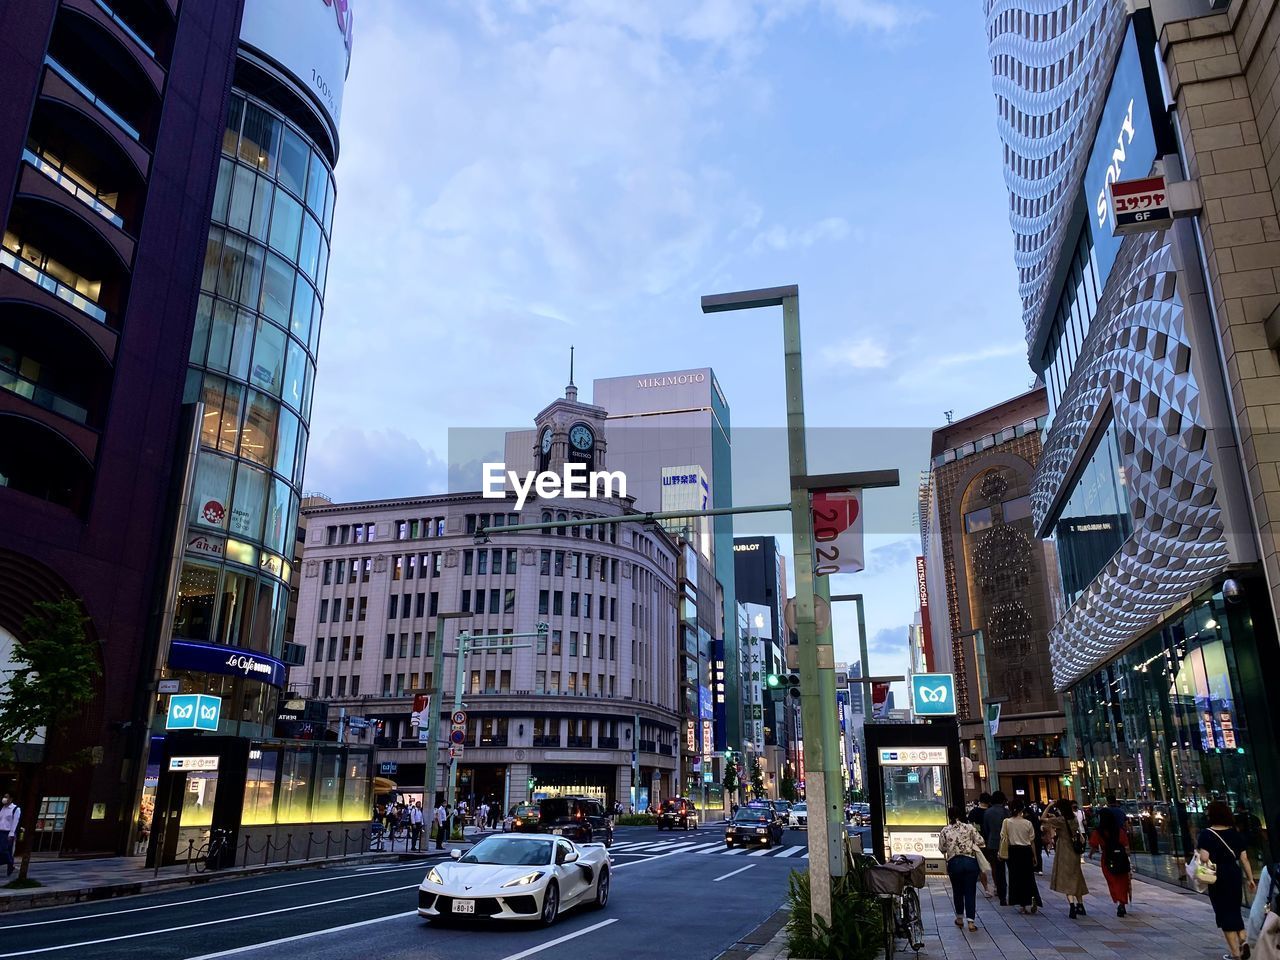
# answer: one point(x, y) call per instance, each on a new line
point(558, 832)
point(464, 906)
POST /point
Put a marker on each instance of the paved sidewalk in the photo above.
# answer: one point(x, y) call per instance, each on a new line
point(1163, 923)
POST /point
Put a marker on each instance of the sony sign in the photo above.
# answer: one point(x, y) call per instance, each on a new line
point(1124, 148)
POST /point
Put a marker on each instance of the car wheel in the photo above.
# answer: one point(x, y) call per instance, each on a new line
point(602, 890)
point(550, 904)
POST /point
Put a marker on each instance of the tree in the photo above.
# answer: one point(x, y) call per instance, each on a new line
point(56, 665)
point(757, 779)
point(787, 787)
point(729, 781)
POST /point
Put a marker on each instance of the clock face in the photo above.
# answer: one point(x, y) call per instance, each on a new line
point(546, 440)
point(581, 437)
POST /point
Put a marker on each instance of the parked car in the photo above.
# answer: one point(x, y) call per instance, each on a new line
point(798, 816)
point(523, 818)
point(753, 825)
point(516, 878)
point(678, 813)
point(581, 819)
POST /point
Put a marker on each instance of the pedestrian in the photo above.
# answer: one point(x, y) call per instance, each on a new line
point(10, 818)
point(1032, 813)
point(415, 824)
point(993, 819)
point(1114, 844)
point(1018, 851)
point(1150, 830)
point(482, 814)
point(979, 810)
point(1068, 844)
point(1222, 845)
point(961, 844)
point(441, 818)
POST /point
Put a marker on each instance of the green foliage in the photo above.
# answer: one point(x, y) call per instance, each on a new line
point(635, 820)
point(729, 782)
point(757, 780)
point(856, 931)
point(56, 667)
point(787, 787)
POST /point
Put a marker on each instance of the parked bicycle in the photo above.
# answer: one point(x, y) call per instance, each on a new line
point(895, 883)
point(211, 854)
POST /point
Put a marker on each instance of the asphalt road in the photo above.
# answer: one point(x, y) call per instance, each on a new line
point(676, 894)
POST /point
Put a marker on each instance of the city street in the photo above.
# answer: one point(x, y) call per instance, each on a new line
point(673, 895)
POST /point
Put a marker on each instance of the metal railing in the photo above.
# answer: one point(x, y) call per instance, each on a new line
point(126, 28)
point(93, 98)
point(56, 287)
point(41, 396)
point(302, 849)
point(68, 184)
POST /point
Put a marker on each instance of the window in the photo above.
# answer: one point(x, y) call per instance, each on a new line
point(417, 643)
point(333, 649)
point(420, 605)
point(410, 565)
point(540, 681)
point(497, 560)
point(555, 643)
point(602, 607)
point(328, 686)
point(466, 601)
point(434, 605)
point(977, 520)
point(493, 600)
point(386, 684)
point(359, 649)
point(545, 565)
point(542, 643)
point(558, 569)
point(586, 644)
point(389, 650)
point(613, 609)
point(512, 559)
point(482, 561)
point(328, 570)
point(431, 643)
point(342, 686)
point(586, 605)
point(324, 611)
point(355, 685)
point(1016, 509)
point(573, 643)
point(555, 682)
point(573, 683)
point(613, 648)
point(393, 605)
point(351, 609)
point(404, 645)
point(315, 688)
point(475, 681)
point(366, 568)
point(557, 603)
point(337, 609)
point(346, 648)
point(544, 602)
point(397, 567)
point(399, 684)
point(509, 601)
point(319, 655)
point(573, 604)
point(468, 562)
point(479, 601)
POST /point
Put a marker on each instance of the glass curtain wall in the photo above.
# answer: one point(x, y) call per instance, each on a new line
point(1163, 726)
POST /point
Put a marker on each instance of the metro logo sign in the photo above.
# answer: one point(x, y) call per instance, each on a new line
point(1139, 205)
point(193, 712)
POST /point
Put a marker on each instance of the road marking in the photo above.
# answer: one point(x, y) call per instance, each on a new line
point(203, 900)
point(760, 853)
point(805, 855)
point(732, 873)
point(789, 852)
point(702, 848)
point(303, 936)
point(205, 923)
point(559, 940)
point(733, 851)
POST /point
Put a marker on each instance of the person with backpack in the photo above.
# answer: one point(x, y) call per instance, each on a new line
point(1113, 840)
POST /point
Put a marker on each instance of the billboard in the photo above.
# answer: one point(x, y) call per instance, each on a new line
point(309, 39)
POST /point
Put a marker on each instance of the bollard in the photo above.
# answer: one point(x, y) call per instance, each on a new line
point(328, 838)
point(266, 851)
point(190, 846)
point(244, 860)
point(288, 847)
point(310, 837)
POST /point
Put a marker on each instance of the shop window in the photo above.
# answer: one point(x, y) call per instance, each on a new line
point(356, 801)
point(260, 783)
point(326, 805)
point(297, 772)
point(197, 597)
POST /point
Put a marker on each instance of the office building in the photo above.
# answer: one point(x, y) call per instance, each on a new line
point(996, 578)
point(562, 713)
point(760, 578)
point(1155, 485)
point(165, 242)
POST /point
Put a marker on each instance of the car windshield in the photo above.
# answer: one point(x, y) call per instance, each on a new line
point(800, 808)
point(673, 805)
point(750, 816)
point(554, 808)
point(511, 852)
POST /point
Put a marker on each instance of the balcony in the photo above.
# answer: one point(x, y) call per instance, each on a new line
point(41, 396)
point(59, 289)
point(88, 197)
point(648, 746)
point(608, 743)
point(107, 26)
point(664, 749)
point(546, 741)
point(39, 461)
point(579, 742)
point(93, 98)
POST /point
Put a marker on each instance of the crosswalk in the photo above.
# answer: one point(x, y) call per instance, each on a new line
point(716, 847)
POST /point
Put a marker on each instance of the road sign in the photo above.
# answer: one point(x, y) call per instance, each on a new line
point(458, 737)
point(706, 776)
point(835, 518)
point(459, 717)
point(388, 767)
point(1139, 205)
point(455, 753)
point(933, 695)
point(357, 723)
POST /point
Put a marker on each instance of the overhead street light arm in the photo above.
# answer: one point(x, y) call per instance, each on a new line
point(749, 299)
point(860, 479)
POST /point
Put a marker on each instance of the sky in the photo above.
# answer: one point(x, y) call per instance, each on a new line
point(518, 177)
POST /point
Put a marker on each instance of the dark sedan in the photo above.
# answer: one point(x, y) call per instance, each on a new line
point(752, 826)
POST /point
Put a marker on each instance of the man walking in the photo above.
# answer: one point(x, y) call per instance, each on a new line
point(415, 824)
point(442, 823)
point(992, 820)
point(10, 817)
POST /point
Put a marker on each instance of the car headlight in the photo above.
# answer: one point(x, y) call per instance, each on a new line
point(762, 830)
point(524, 881)
point(434, 877)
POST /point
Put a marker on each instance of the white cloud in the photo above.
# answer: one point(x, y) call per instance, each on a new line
point(354, 464)
point(861, 353)
point(1014, 348)
point(879, 14)
point(778, 238)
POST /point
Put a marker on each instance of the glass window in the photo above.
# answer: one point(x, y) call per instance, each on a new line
point(286, 444)
point(242, 346)
point(211, 491)
point(1016, 509)
point(297, 767)
point(221, 333)
point(286, 224)
point(260, 141)
point(329, 776)
point(251, 277)
point(322, 268)
point(303, 297)
point(212, 259)
point(260, 786)
point(317, 181)
point(977, 520)
point(235, 116)
point(295, 375)
point(293, 161)
point(328, 204)
point(261, 215)
point(268, 358)
point(243, 180)
point(249, 503)
point(355, 792)
point(200, 335)
point(277, 290)
point(258, 438)
point(197, 597)
point(222, 191)
point(309, 251)
point(276, 533)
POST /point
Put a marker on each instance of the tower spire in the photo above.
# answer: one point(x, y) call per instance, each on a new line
point(571, 392)
point(571, 365)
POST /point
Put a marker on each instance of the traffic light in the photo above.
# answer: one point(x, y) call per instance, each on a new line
point(728, 756)
point(793, 685)
point(773, 681)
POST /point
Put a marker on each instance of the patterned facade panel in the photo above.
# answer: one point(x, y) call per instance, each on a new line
point(1137, 359)
point(1051, 63)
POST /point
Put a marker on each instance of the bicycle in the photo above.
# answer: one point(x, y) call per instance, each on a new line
point(895, 885)
point(213, 850)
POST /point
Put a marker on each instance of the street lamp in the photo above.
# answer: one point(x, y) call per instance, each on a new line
point(437, 685)
point(816, 653)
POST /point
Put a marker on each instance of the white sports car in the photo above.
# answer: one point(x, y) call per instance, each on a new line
point(517, 876)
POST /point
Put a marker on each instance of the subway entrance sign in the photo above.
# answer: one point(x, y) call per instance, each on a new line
point(933, 695)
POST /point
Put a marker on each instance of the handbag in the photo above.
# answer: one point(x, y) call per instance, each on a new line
point(1077, 842)
point(1268, 945)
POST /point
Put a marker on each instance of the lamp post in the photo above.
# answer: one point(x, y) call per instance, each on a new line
point(431, 774)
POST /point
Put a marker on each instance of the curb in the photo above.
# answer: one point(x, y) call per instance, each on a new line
point(761, 937)
point(14, 902)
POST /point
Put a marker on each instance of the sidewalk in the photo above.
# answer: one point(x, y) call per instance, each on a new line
point(1164, 923)
point(72, 881)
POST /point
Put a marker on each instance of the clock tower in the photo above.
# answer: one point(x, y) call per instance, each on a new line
point(569, 431)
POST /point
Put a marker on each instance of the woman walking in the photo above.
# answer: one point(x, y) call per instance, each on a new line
point(1113, 840)
point(1223, 846)
point(961, 844)
point(1018, 850)
point(1068, 844)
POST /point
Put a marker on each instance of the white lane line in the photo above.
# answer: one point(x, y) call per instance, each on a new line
point(204, 900)
point(764, 852)
point(559, 940)
point(712, 848)
point(789, 852)
point(303, 936)
point(733, 851)
point(703, 847)
point(205, 923)
point(733, 873)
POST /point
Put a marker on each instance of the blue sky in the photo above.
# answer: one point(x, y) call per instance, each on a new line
point(516, 177)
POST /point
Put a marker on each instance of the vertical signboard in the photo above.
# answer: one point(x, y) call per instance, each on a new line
point(922, 591)
point(836, 519)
